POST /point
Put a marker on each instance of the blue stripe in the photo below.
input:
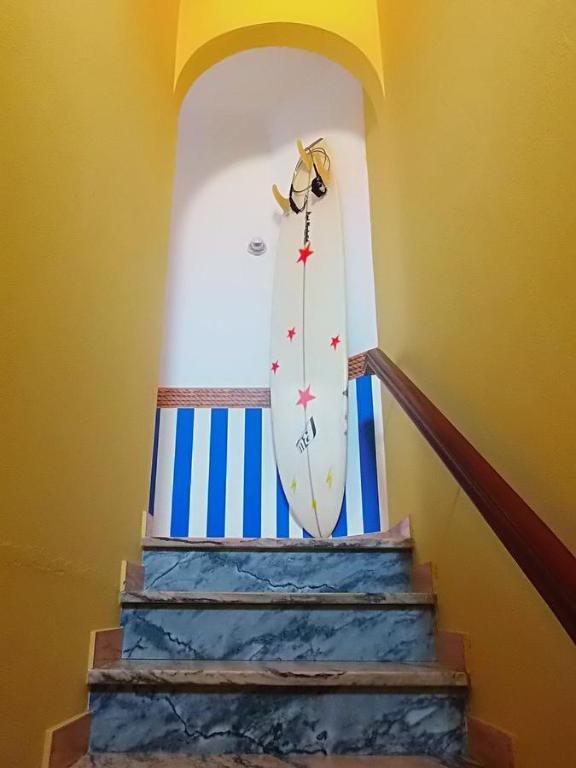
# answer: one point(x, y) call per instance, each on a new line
point(282, 513)
point(182, 472)
point(154, 463)
point(217, 472)
point(252, 526)
point(368, 467)
point(341, 528)
point(306, 534)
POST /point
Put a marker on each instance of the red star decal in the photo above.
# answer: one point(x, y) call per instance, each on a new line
point(275, 366)
point(305, 253)
point(291, 333)
point(335, 341)
point(305, 396)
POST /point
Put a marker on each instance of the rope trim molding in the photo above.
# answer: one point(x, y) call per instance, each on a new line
point(357, 365)
point(202, 397)
point(234, 397)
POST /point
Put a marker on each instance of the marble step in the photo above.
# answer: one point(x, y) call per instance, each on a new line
point(277, 599)
point(253, 761)
point(284, 674)
point(278, 626)
point(367, 542)
point(253, 566)
point(332, 720)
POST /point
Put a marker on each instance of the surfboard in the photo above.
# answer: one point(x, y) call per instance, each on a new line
point(309, 358)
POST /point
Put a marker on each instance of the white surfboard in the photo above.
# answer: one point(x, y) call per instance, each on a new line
point(309, 359)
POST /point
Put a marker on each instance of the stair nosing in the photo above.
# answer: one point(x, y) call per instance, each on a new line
point(266, 760)
point(194, 673)
point(153, 598)
point(273, 545)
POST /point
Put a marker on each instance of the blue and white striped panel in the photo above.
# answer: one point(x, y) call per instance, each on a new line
point(214, 472)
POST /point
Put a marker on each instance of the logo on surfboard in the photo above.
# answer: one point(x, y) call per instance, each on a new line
point(307, 436)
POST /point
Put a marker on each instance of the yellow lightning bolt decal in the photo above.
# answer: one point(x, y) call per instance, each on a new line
point(329, 479)
point(314, 505)
point(293, 485)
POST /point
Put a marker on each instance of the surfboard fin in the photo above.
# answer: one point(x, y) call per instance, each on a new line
point(282, 201)
point(304, 155)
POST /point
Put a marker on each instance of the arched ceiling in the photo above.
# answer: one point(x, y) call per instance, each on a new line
point(348, 33)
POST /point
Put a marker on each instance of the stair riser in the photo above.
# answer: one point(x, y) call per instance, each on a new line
point(278, 571)
point(247, 723)
point(391, 634)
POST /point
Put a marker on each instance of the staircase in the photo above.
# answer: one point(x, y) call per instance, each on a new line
point(283, 651)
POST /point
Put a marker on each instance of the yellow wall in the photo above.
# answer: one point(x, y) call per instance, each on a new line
point(472, 172)
point(473, 175)
point(86, 138)
point(210, 30)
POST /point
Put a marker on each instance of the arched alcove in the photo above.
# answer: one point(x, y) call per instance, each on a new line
point(214, 470)
point(208, 32)
point(237, 129)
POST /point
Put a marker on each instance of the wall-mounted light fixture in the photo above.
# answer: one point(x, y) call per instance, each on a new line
point(257, 246)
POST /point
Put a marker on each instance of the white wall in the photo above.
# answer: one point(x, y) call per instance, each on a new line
point(237, 131)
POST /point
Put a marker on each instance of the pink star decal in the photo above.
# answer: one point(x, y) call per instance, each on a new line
point(275, 366)
point(305, 396)
point(305, 254)
point(291, 333)
point(335, 341)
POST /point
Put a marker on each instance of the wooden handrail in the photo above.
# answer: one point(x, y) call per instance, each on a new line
point(545, 560)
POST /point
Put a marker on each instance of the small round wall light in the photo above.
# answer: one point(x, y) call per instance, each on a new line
point(257, 246)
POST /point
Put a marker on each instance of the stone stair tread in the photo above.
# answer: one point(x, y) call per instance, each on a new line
point(277, 674)
point(383, 599)
point(349, 544)
point(159, 760)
